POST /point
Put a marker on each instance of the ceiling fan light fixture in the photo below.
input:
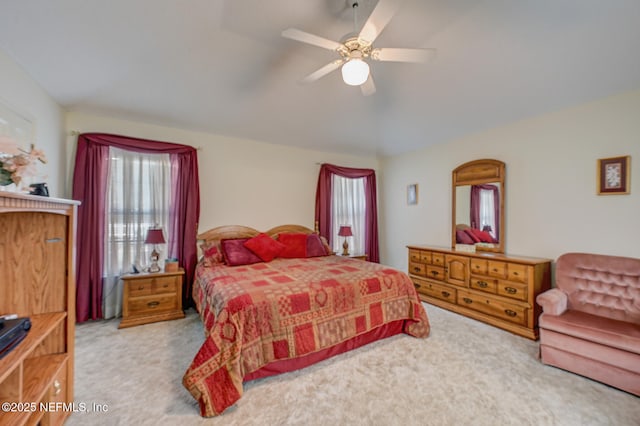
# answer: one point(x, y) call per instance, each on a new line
point(355, 72)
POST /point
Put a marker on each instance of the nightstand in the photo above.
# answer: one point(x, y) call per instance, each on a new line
point(151, 297)
point(355, 256)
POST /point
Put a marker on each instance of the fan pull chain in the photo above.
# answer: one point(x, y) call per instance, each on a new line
point(354, 6)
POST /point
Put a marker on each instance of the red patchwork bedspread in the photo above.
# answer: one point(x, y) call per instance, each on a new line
point(266, 312)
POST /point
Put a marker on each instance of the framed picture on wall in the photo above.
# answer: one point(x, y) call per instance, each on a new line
point(613, 175)
point(412, 194)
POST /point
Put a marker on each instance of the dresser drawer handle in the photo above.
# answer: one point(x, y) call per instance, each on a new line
point(516, 274)
point(434, 273)
point(495, 270)
point(153, 304)
point(57, 387)
point(482, 284)
point(416, 285)
point(467, 300)
point(165, 286)
point(446, 294)
point(510, 313)
point(511, 290)
point(416, 269)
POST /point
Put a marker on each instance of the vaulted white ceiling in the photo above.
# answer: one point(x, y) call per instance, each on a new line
point(222, 66)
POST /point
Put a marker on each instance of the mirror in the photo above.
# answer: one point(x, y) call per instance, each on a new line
point(478, 205)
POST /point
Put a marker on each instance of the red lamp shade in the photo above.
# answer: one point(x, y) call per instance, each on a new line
point(345, 231)
point(154, 236)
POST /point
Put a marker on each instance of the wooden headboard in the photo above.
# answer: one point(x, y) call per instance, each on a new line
point(239, 231)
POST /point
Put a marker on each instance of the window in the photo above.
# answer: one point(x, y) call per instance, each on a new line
point(348, 204)
point(138, 198)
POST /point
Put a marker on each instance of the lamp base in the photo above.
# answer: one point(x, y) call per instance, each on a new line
point(345, 248)
point(154, 261)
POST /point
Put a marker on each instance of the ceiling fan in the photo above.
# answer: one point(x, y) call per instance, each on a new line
point(356, 48)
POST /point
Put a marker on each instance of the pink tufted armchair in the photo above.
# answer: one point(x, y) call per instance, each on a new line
point(590, 323)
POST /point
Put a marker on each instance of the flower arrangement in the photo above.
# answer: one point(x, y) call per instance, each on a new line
point(16, 163)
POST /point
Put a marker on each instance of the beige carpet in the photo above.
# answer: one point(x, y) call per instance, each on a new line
point(465, 373)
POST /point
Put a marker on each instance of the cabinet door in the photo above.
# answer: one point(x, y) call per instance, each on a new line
point(457, 270)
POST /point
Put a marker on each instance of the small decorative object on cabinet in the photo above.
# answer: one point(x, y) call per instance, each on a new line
point(494, 288)
point(37, 249)
point(151, 297)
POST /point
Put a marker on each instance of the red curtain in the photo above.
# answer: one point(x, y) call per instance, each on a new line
point(90, 188)
point(324, 198)
point(475, 207)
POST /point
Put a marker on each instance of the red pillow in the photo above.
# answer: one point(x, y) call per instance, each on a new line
point(265, 247)
point(296, 245)
point(462, 237)
point(483, 236)
point(472, 235)
point(212, 254)
point(236, 254)
point(314, 246)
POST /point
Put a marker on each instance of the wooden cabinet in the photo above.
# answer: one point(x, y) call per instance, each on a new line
point(497, 289)
point(151, 297)
point(37, 270)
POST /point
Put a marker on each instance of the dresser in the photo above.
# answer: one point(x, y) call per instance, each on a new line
point(37, 280)
point(151, 297)
point(494, 288)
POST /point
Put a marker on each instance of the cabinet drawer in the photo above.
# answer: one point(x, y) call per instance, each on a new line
point(57, 393)
point(497, 269)
point(140, 287)
point(517, 272)
point(513, 290)
point(165, 285)
point(484, 284)
point(437, 259)
point(435, 272)
point(425, 257)
point(436, 290)
point(152, 304)
point(417, 269)
point(479, 266)
point(414, 256)
point(491, 306)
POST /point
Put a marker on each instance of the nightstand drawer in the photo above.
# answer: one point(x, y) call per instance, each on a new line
point(152, 304)
point(141, 287)
point(165, 285)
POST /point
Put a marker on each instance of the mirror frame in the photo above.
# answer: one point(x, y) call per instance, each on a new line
point(474, 173)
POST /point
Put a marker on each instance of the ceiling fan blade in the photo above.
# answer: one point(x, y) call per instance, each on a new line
point(379, 18)
point(304, 37)
point(403, 55)
point(368, 88)
point(331, 66)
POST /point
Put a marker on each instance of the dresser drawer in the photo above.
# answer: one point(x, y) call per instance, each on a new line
point(425, 257)
point(517, 272)
point(513, 290)
point(165, 285)
point(496, 269)
point(414, 256)
point(435, 290)
point(435, 272)
point(492, 306)
point(153, 304)
point(490, 285)
point(141, 287)
point(437, 259)
point(479, 266)
point(417, 269)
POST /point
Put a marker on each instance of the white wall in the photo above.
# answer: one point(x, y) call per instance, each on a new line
point(551, 202)
point(242, 182)
point(22, 94)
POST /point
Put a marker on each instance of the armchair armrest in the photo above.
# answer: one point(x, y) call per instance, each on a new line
point(553, 301)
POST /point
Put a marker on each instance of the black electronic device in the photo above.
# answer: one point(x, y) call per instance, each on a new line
point(12, 332)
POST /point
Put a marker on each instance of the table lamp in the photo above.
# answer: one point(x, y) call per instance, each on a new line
point(345, 231)
point(154, 236)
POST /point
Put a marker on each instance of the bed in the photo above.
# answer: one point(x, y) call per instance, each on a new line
point(268, 317)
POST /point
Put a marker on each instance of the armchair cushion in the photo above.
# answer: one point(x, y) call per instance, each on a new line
point(605, 331)
point(553, 302)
